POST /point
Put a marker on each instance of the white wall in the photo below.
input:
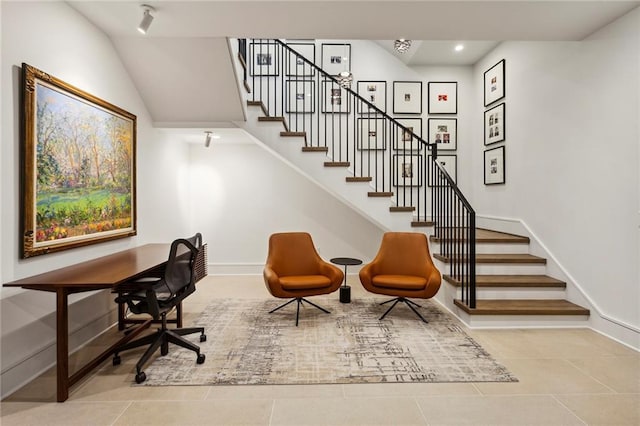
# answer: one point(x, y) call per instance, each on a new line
point(54, 38)
point(572, 138)
point(242, 193)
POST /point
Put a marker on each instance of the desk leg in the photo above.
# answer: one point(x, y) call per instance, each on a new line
point(62, 344)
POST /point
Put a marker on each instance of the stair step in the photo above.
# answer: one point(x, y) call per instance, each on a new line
point(359, 178)
point(486, 236)
point(523, 307)
point(275, 119)
point(401, 209)
point(285, 134)
point(499, 258)
point(421, 223)
point(337, 163)
point(380, 194)
point(511, 281)
point(315, 149)
point(258, 104)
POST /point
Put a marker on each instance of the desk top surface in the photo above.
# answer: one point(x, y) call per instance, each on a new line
point(102, 272)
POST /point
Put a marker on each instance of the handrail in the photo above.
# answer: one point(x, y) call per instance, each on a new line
point(361, 139)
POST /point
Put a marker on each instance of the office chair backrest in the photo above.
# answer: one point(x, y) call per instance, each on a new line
point(405, 253)
point(293, 253)
point(179, 274)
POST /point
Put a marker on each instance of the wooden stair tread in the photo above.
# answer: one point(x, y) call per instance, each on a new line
point(380, 194)
point(420, 223)
point(337, 164)
point(488, 236)
point(401, 208)
point(315, 149)
point(511, 281)
point(286, 134)
point(359, 178)
point(500, 258)
point(523, 307)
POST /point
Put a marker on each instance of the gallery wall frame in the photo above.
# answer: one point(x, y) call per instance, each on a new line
point(300, 96)
point(494, 124)
point(371, 134)
point(335, 99)
point(264, 59)
point(405, 140)
point(407, 170)
point(494, 166)
point(443, 97)
point(444, 132)
point(296, 66)
point(494, 83)
point(78, 161)
point(375, 92)
point(336, 57)
point(449, 163)
point(407, 97)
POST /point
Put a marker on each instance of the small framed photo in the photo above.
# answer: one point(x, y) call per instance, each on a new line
point(300, 96)
point(335, 99)
point(443, 97)
point(296, 66)
point(264, 59)
point(407, 170)
point(371, 134)
point(494, 124)
point(494, 86)
point(404, 139)
point(494, 166)
point(444, 132)
point(375, 92)
point(336, 58)
point(407, 97)
point(449, 163)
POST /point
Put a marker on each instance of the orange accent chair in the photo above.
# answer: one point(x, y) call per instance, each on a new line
point(295, 270)
point(402, 268)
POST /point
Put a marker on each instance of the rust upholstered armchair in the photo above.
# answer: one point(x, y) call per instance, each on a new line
point(402, 268)
point(295, 270)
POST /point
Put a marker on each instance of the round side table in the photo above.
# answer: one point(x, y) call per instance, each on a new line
point(345, 290)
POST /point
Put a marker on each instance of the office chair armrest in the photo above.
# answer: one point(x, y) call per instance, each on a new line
point(329, 270)
point(270, 276)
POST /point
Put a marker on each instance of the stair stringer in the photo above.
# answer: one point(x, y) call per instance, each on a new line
point(332, 179)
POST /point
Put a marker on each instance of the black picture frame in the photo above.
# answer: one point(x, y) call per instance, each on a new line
point(380, 101)
point(407, 97)
point(403, 176)
point(335, 99)
point(405, 141)
point(304, 88)
point(443, 97)
point(494, 166)
point(494, 124)
point(447, 140)
point(494, 83)
point(449, 163)
point(329, 53)
point(265, 59)
point(300, 68)
point(371, 134)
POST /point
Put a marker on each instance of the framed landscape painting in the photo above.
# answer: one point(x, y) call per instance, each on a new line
point(78, 162)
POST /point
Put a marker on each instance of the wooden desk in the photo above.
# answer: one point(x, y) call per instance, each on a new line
point(102, 273)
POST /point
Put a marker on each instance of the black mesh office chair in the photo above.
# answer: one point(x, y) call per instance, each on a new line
point(157, 297)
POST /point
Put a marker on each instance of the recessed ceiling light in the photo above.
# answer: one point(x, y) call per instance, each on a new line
point(216, 136)
point(459, 47)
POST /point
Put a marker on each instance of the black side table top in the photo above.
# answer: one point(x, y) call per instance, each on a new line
point(346, 261)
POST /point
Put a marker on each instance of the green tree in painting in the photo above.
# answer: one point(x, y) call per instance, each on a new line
point(84, 168)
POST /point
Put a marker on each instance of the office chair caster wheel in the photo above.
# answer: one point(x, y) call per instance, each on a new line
point(116, 360)
point(203, 337)
point(200, 359)
point(141, 377)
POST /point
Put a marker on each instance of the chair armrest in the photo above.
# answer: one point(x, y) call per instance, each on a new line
point(331, 271)
point(270, 276)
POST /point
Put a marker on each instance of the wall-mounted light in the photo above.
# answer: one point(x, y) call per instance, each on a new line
point(147, 18)
point(207, 139)
point(402, 45)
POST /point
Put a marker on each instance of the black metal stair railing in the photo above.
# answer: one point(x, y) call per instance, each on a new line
point(374, 147)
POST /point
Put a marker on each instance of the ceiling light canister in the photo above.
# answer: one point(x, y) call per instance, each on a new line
point(402, 45)
point(207, 139)
point(147, 18)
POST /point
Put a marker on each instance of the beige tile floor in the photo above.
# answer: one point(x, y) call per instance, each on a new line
point(570, 376)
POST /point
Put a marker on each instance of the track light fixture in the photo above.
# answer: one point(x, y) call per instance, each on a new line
point(207, 139)
point(147, 18)
point(402, 45)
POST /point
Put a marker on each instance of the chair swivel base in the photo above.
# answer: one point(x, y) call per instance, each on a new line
point(407, 302)
point(299, 300)
point(161, 339)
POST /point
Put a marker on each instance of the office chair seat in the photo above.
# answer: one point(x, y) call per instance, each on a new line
point(304, 282)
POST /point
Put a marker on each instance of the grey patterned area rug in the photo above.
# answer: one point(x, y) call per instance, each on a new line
point(247, 345)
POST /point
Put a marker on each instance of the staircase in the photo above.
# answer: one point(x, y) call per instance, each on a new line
point(511, 286)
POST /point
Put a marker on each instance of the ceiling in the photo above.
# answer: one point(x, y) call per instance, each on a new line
point(183, 68)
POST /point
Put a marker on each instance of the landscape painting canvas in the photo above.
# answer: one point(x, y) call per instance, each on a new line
point(79, 167)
